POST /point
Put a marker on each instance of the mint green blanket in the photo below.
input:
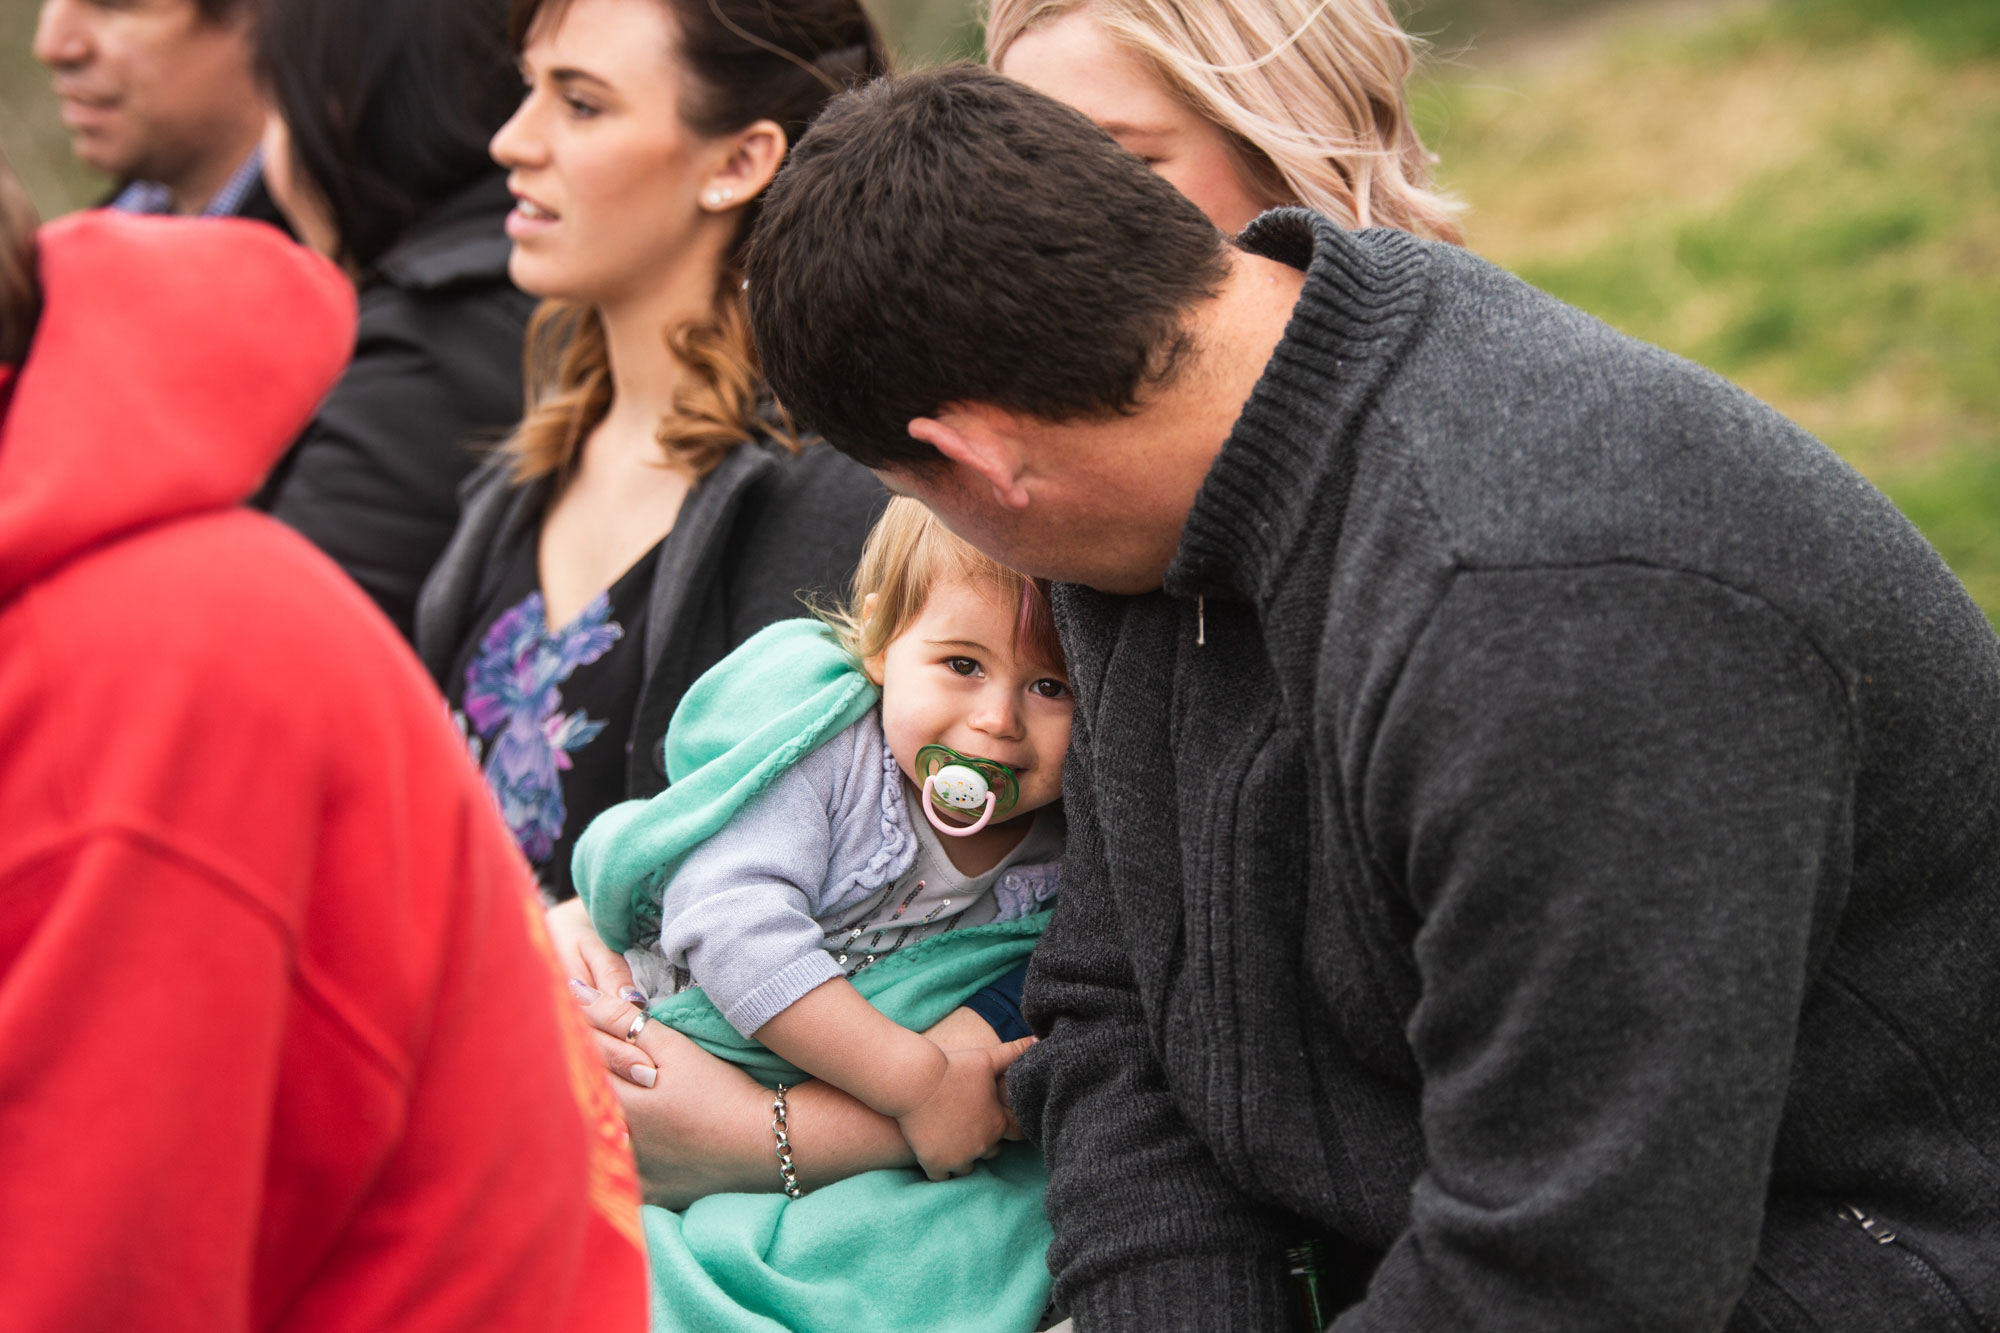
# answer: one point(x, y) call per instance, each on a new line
point(883, 1252)
point(780, 695)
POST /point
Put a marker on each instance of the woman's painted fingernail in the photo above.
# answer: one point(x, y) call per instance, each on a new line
point(581, 993)
point(645, 1075)
point(632, 995)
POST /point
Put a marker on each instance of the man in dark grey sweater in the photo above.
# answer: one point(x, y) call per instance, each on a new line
point(1534, 812)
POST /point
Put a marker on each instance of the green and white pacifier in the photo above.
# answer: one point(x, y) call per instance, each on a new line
point(964, 785)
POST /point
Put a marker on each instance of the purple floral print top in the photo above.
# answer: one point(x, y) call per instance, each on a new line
point(547, 712)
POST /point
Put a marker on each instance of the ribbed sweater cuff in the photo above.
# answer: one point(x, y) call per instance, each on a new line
point(781, 992)
point(1195, 1291)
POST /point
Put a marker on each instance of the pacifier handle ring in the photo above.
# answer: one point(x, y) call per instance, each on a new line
point(953, 830)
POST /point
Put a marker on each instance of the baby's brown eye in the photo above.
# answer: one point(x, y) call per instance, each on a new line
point(963, 666)
point(1050, 689)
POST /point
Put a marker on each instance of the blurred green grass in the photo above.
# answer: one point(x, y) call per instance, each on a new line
point(1801, 194)
point(31, 132)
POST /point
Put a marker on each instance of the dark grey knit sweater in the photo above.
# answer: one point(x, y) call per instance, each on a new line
point(1566, 875)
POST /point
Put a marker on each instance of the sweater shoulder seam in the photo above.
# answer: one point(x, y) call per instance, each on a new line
point(1820, 652)
point(1370, 745)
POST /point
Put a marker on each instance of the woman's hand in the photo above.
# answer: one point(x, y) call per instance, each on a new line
point(703, 1126)
point(595, 970)
point(700, 1126)
point(584, 956)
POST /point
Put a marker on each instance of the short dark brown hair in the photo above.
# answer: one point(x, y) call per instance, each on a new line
point(20, 290)
point(955, 237)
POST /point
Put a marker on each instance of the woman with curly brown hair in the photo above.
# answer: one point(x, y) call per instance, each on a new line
point(653, 510)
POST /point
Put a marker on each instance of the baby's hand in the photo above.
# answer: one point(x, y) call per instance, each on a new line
point(962, 1120)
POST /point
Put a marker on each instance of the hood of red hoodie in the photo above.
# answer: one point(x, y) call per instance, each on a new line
point(175, 361)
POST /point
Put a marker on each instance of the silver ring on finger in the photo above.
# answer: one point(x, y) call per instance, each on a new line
point(638, 1022)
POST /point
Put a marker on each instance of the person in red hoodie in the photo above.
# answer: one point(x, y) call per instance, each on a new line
point(281, 1046)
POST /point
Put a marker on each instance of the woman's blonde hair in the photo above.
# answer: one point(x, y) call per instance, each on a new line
point(1311, 92)
point(907, 555)
point(20, 290)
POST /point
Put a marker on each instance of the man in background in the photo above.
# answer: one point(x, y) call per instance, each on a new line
point(159, 94)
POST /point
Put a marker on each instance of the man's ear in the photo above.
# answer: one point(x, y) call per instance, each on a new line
point(983, 440)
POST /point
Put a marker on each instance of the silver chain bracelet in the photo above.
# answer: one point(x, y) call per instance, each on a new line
point(785, 1169)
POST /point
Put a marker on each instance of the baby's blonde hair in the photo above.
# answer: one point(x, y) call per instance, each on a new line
point(1311, 93)
point(908, 554)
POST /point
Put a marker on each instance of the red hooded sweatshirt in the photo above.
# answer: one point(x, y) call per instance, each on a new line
point(281, 1046)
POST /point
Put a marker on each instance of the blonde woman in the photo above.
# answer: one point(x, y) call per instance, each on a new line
point(1243, 105)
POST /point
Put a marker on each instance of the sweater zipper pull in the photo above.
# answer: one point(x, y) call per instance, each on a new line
point(1877, 1232)
point(1200, 622)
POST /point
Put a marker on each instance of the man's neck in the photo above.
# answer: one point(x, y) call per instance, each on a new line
point(1234, 337)
point(191, 192)
point(1165, 449)
point(203, 177)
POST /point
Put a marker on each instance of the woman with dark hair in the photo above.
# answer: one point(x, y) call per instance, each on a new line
point(655, 510)
point(376, 153)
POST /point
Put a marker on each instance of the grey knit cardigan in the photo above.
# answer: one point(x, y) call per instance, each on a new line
point(1567, 877)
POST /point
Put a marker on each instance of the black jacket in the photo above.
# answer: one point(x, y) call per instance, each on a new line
point(752, 535)
point(435, 380)
point(1545, 837)
point(258, 206)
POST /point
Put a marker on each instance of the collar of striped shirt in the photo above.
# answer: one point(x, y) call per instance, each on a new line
point(153, 197)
